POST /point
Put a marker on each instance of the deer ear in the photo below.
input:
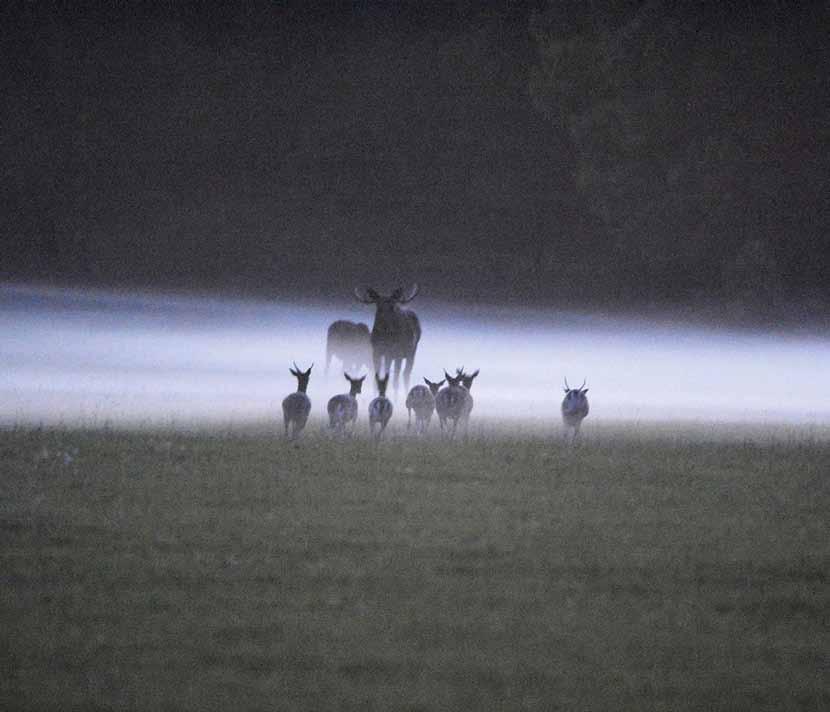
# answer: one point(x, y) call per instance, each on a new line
point(292, 371)
point(584, 390)
point(473, 375)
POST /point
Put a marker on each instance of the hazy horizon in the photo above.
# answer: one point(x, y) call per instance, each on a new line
point(78, 357)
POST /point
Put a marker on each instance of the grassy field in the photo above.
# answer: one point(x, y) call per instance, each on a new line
point(644, 569)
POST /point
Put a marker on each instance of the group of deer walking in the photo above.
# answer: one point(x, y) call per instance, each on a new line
point(393, 340)
point(453, 403)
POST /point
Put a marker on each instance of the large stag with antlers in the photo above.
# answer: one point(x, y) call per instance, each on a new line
point(395, 333)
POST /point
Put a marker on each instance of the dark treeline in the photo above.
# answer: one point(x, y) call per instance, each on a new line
point(619, 154)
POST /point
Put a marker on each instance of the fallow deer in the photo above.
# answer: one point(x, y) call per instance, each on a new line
point(296, 406)
point(342, 409)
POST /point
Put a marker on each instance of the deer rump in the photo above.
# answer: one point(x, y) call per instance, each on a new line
point(453, 403)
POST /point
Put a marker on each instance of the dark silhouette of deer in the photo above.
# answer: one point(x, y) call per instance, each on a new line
point(574, 407)
point(342, 409)
point(350, 342)
point(395, 333)
point(296, 406)
point(380, 409)
point(421, 399)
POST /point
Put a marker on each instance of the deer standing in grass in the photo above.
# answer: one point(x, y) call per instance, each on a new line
point(296, 406)
point(421, 399)
point(574, 407)
point(380, 409)
point(395, 333)
point(342, 409)
point(451, 402)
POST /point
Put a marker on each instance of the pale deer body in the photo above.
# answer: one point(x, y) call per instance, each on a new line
point(451, 403)
point(574, 407)
point(421, 399)
point(297, 406)
point(342, 408)
point(350, 342)
point(380, 409)
point(395, 332)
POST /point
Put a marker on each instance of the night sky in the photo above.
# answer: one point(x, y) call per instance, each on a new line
point(625, 154)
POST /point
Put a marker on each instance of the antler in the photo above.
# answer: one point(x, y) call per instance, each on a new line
point(413, 293)
point(584, 381)
point(567, 387)
point(365, 297)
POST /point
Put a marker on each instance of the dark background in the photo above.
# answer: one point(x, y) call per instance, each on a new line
point(606, 155)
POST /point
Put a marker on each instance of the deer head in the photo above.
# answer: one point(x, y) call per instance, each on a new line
point(467, 379)
point(301, 376)
point(355, 384)
point(581, 389)
point(367, 295)
point(452, 381)
point(434, 387)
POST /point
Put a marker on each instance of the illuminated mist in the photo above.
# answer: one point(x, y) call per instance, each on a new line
point(97, 357)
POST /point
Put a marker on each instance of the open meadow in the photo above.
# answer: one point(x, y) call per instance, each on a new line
point(673, 568)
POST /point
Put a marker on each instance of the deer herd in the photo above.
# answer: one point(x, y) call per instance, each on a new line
point(392, 341)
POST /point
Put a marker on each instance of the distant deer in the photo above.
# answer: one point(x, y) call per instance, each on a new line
point(296, 406)
point(380, 409)
point(342, 408)
point(395, 333)
point(421, 399)
point(350, 342)
point(574, 407)
point(451, 402)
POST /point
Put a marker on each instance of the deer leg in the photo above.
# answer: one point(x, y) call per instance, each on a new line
point(377, 359)
point(397, 366)
point(410, 362)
